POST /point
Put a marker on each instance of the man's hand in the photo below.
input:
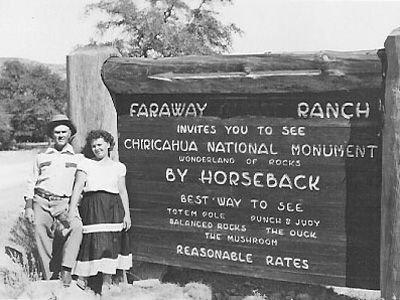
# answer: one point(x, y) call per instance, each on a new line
point(29, 215)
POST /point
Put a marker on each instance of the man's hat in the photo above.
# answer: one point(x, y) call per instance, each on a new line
point(60, 120)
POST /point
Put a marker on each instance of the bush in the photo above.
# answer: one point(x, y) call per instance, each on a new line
point(20, 264)
point(16, 275)
point(24, 251)
point(6, 139)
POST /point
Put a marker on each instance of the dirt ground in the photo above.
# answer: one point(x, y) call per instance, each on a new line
point(15, 166)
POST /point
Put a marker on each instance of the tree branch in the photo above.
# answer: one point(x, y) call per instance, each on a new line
point(168, 13)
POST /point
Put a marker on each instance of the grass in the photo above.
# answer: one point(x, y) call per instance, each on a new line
point(19, 266)
point(15, 167)
point(18, 273)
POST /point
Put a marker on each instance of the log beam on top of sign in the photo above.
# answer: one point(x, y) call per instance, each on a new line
point(390, 235)
point(319, 71)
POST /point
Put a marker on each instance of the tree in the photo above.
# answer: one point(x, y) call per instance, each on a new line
point(31, 94)
point(165, 28)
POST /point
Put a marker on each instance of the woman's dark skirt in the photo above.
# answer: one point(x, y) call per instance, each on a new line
point(105, 245)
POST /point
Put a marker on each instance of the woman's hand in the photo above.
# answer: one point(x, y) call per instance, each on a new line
point(71, 214)
point(29, 215)
point(127, 222)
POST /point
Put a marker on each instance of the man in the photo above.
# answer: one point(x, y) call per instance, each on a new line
point(48, 194)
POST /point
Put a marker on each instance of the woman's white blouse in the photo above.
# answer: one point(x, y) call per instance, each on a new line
point(101, 177)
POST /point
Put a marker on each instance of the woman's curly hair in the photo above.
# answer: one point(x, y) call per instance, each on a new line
point(94, 135)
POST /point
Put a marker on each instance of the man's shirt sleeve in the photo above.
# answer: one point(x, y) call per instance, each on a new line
point(32, 178)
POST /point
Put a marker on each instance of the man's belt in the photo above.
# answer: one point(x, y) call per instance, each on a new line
point(49, 196)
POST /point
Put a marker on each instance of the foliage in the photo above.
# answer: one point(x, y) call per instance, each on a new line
point(256, 296)
point(23, 266)
point(22, 234)
point(165, 28)
point(6, 140)
point(18, 275)
point(31, 94)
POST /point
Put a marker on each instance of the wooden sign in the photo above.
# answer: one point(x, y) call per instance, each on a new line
point(277, 185)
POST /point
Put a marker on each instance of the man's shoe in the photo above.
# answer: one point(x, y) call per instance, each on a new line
point(66, 278)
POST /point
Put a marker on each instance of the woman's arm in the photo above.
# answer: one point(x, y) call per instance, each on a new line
point(123, 193)
point(80, 179)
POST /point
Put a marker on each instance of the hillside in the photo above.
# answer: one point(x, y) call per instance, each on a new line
point(60, 69)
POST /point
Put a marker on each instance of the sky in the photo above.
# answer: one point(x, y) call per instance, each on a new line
point(48, 30)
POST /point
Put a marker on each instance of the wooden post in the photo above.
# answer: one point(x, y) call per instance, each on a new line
point(390, 233)
point(90, 104)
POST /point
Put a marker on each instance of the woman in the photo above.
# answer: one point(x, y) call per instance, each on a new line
point(104, 210)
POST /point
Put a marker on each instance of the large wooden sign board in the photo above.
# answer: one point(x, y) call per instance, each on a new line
point(276, 176)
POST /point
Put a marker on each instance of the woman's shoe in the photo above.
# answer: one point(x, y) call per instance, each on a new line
point(81, 282)
point(106, 287)
point(105, 291)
